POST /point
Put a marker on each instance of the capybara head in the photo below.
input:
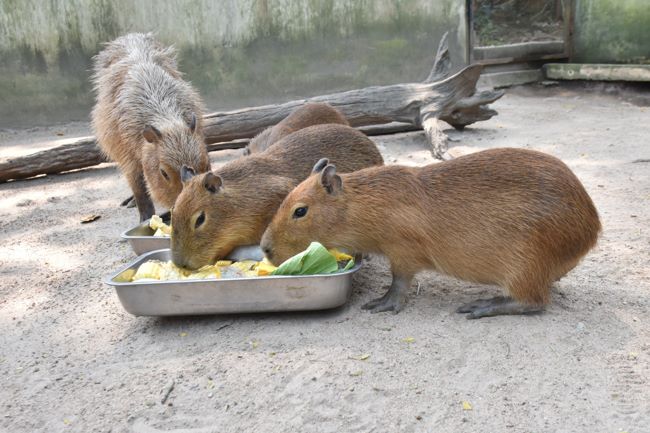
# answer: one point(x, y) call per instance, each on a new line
point(212, 216)
point(166, 149)
point(314, 211)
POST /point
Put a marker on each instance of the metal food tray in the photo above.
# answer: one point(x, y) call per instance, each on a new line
point(141, 237)
point(231, 295)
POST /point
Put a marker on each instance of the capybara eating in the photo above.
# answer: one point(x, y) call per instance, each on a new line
point(218, 211)
point(516, 218)
point(310, 114)
point(147, 119)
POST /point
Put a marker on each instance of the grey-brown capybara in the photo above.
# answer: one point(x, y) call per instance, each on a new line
point(147, 119)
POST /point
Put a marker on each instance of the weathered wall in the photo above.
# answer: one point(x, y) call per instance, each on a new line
point(612, 31)
point(237, 52)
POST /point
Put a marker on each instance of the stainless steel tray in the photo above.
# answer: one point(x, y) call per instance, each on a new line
point(231, 295)
point(141, 237)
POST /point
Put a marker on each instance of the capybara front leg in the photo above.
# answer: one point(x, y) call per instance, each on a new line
point(393, 300)
point(141, 195)
point(500, 305)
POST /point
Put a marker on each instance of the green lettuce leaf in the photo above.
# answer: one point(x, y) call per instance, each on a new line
point(348, 266)
point(314, 260)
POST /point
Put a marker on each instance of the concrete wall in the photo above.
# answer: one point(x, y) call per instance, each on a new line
point(237, 52)
point(612, 31)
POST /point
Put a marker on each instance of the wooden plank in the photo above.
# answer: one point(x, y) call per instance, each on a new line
point(523, 50)
point(598, 72)
point(506, 60)
point(510, 78)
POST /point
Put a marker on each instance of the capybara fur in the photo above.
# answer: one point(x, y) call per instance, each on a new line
point(516, 218)
point(310, 114)
point(147, 119)
point(231, 206)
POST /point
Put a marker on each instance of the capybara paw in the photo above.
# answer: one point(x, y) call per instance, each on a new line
point(372, 304)
point(478, 304)
point(497, 307)
point(129, 202)
point(383, 304)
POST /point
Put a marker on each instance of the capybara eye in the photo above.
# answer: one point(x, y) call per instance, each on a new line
point(200, 220)
point(164, 174)
point(300, 212)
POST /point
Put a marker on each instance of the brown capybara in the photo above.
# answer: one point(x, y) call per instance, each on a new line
point(516, 218)
point(147, 119)
point(231, 206)
point(310, 114)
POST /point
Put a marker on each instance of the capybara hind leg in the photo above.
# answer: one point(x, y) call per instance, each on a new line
point(498, 306)
point(141, 195)
point(393, 300)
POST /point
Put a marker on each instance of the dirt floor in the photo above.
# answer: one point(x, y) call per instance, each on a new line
point(72, 360)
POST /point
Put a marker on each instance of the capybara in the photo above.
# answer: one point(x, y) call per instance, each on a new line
point(147, 119)
point(516, 218)
point(310, 114)
point(232, 205)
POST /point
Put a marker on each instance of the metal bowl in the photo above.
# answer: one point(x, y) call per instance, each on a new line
point(231, 295)
point(141, 237)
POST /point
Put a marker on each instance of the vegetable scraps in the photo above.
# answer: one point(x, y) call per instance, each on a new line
point(316, 259)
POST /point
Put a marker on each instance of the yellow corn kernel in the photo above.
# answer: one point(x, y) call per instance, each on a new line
point(265, 268)
point(156, 223)
point(340, 256)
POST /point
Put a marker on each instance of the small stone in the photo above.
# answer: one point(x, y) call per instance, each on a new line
point(580, 327)
point(24, 203)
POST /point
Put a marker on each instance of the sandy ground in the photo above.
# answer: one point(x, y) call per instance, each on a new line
point(72, 360)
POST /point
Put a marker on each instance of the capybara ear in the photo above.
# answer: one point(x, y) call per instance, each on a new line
point(212, 182)
point(187, 173)
point(320, 165)
point(330, 180)
point(192, 123)
point(151, 134)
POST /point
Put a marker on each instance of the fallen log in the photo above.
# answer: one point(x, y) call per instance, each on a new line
point(82, 152)
point(451, 98)
point(71, 155)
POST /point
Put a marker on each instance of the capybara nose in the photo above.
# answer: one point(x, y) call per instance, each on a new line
point(265, 244)
point(179, 261)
